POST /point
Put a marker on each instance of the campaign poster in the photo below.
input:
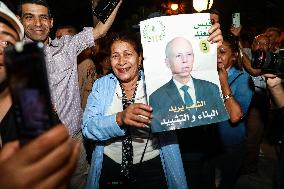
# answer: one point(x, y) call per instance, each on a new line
point(180, 67)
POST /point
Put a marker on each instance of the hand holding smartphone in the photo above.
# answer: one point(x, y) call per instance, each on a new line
point(104, 9)
point(28, 83)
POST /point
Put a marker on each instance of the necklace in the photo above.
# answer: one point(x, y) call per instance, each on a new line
point(124, 98)
point(130, 89)
point(132, 99)
point(134, 85)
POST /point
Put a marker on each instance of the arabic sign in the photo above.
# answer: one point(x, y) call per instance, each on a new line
point(173, 51)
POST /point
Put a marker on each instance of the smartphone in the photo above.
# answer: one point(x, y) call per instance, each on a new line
point(28, 84)
point(104, 9)
point(236, 19)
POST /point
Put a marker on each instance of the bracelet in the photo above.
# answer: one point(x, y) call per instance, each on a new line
point(226, 97)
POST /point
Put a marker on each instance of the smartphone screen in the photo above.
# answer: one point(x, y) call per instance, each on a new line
point(236, 21)
point(28, 83)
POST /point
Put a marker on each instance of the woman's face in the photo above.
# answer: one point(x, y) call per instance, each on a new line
point(225, 56)
point(124, 61)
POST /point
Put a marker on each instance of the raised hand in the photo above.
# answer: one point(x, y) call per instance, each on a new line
point(215, 34)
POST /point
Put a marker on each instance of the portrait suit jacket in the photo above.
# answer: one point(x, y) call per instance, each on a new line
point(168, 96)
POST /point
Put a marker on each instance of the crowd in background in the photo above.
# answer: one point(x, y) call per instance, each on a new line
point(97, 88)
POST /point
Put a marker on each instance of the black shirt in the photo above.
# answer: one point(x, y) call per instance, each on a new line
point(8, 130)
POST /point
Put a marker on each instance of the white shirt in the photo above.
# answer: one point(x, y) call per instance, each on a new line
point(191, 89)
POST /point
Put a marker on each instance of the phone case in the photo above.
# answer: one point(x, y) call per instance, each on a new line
point(28, 83)
point(236, 20)
point(104, 9)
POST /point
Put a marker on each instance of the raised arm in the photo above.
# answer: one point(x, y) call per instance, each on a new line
point(247, 65)
point(232, 105)
point(247, 62)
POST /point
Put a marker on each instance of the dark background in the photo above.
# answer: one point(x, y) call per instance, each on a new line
point(254, 13)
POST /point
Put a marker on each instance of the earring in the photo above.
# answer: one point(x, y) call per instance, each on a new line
point(140, 67)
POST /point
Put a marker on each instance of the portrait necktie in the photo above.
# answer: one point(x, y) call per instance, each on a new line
point(187, 99)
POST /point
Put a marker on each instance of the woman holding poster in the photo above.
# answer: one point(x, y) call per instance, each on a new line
point(127, 155)
point(237, 89)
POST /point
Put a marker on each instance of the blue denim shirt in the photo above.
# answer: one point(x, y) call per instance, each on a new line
point(242, 88)
point(99, 127)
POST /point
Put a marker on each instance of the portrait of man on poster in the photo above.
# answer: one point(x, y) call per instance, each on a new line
point(184, 101)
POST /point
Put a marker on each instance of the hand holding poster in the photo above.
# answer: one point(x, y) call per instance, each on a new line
point(180, 68)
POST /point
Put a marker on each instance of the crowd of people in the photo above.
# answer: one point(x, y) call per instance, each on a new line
point(97, 87)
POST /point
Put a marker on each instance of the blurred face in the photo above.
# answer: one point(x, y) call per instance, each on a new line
point(106, 64)
point(64, 31)
point(125, 61)
point(260, 42)
point(36, 22)
point(273, 37)
point(8, 36)
point(180, 59)
point(225, 56)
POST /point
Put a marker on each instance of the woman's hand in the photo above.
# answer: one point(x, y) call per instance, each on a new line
point(136, 115)
point(223, 76)
point(232, 105)
point(215, 34)
point(277, 90)
point(236, 31)
point(272, 80)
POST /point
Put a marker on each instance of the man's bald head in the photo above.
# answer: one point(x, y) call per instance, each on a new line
point(174, 42)
point(180, 58)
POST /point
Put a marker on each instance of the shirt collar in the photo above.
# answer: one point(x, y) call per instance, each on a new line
point(28, 40)
point(179, 85)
